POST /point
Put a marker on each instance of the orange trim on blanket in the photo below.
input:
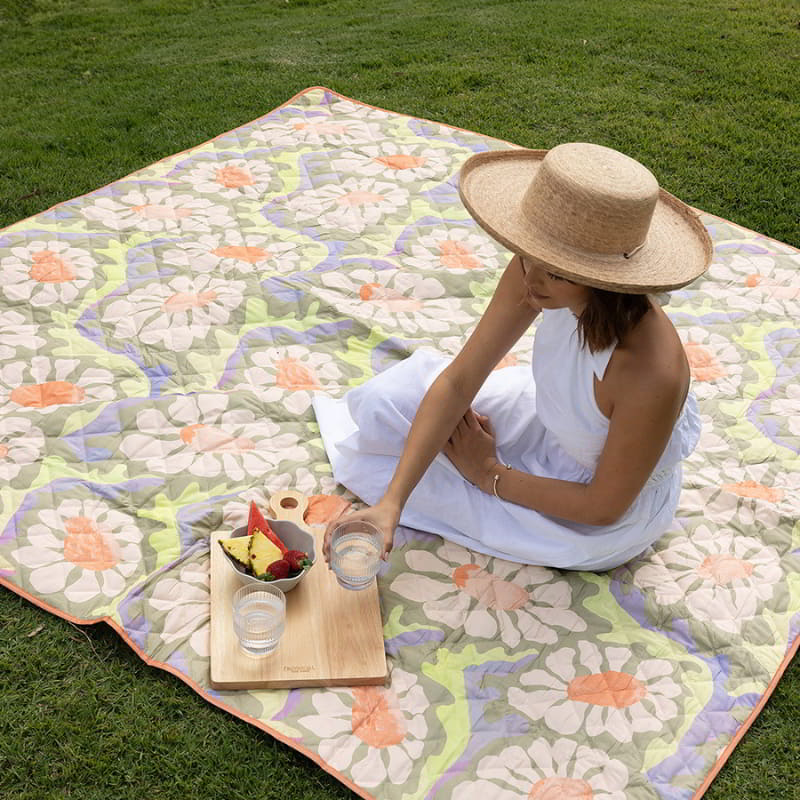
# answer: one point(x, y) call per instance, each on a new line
point(720, 762)
point(189, 682)
point(759, 707)
point(723, 757)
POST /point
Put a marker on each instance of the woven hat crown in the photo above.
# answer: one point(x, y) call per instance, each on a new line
point(592, 214)
point(592, 198)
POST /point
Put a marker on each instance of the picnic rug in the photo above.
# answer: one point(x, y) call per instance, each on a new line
point(160, 341)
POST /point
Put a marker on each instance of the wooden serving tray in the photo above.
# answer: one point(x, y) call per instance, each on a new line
point(333, 636)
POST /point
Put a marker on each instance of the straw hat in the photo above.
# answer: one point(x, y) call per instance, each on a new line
point(591, 213)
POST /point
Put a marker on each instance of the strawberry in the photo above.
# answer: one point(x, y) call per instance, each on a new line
point(277, 570)
point(297, 560)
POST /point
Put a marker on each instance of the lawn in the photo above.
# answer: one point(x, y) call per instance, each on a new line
point(704, 93)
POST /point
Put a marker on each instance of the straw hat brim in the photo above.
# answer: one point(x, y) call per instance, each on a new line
point(677, 250)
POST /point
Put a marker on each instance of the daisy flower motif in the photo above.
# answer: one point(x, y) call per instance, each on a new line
point(759, 283)
point(563, 770)
point(353, 205)
point(722, 577)
point(16, 331)
point(297, 131)
point(715, 362)
point(174, 313)
point(373, 734)
point(342, 108)
point(709, 444)
point(83, 548)
point(598, 691)
point(45, 384)
point(21, 443)
point(732, 492)
point(202, 437)
point(520, 355)
point(457, 249)
point(187, 606)
point(448, 345)
point(290, 375)
point(396, 161)
point(156, 210)
point(488, 597)
point(46, 272)
point(396, 300)
point(788, 408)
point(235, 252)
point(231, 178)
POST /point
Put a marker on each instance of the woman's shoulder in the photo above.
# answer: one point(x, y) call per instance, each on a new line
point(651, 355)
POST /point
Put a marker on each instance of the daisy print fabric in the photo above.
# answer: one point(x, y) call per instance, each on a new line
point(161, 340)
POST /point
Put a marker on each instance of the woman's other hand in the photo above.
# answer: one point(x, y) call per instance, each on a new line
point(472, 448)
point(383, 516)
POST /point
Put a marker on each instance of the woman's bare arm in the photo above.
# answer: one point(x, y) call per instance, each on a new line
point(506, 318)
point(508, 315)
point(645, 409)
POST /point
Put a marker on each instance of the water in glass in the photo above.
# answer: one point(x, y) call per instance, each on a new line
point(259, 619)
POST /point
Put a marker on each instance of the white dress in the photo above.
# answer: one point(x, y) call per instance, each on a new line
point(546, 424)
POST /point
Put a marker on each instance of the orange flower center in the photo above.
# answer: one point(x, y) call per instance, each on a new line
point(401, 161)
point(47, 267)
point(455, 255)
point(3, 451)
point(293, 375)
point(321, 127)
point(489, 590)
point(233, 177)
point(375, 721)
point(206, 438)
point(359, 199)
point(87, 547)
point(753, 280)
point(389, 299)
point(367, 291)
point(722, 568)
point(753, 489)
point(703, 364)
point(560, 789)
point(610, 688)
point(250, 254)
point(51, 393)
point(162, 212)
point(183, 301)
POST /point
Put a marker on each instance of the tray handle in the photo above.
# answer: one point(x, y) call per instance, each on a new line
point(289, 505)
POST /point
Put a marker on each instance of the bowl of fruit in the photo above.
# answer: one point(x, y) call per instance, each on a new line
point(274, 551)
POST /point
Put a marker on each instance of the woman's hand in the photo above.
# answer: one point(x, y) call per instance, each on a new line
point(383, 515)
point(472, 448)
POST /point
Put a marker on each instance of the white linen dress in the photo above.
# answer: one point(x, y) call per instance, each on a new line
point(546, 423)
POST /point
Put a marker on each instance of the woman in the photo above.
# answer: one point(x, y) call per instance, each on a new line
point(578, 467)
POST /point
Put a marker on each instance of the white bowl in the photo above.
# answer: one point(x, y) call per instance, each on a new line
point(293, 536)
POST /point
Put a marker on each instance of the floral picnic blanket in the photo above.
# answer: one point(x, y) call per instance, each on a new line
point(160, 341)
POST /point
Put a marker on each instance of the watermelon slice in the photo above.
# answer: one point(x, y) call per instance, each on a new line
point(257, 522)
point(238, 548)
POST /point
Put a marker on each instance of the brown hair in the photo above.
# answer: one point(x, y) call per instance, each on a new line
point(608, 317)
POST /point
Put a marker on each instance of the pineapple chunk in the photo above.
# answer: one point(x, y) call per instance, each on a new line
point(262, 553)
point(239, 548)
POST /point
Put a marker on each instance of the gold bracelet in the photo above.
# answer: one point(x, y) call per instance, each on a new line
point(497, 478)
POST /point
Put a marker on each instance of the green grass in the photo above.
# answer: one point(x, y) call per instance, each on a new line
point(704, 93)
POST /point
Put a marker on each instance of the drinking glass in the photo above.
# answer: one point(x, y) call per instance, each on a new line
point(259, 618)
point(356, 553)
